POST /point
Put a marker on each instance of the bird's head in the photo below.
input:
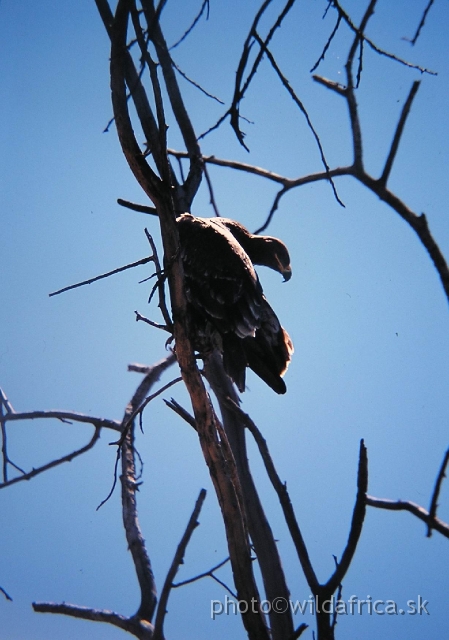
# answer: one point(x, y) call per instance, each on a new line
point(277, 257)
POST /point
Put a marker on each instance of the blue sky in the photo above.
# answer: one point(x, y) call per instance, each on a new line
point(365, 309)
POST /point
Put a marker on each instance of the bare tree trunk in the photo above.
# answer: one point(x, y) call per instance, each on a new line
point(276, 590)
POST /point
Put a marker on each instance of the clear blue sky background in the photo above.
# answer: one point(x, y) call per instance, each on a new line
point(365, 309)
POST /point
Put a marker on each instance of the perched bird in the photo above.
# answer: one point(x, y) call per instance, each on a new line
point(227, 309)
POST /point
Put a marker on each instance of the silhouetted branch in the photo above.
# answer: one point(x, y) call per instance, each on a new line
point(284, 498)
point(328, 43)
point(194, 23)
point(421, 23)
point(398, 133)
point(239, 90)
point(7, 596)
point(299, 631)
point(436, 492)
point(193, 180)
point(156, 325)
point(139, 628)
point(211, 191)
point(411, 507)
point(359, 31)
point(128, 73)
point(195, 84)
point(261, 534)
point(54, 463)
point(206, 574)
point(103, 275)
point(138, 410)
point(160, 284)
point(298, 102)
point(358, 518)
point(141, 208)
point(183, 413)
point(177, 560)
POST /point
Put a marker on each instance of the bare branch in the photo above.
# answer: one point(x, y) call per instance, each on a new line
point(398, 133)
point(358, 518)
point(147, 400)
point(193, 181)
point(418, 224)
point(284, 498)
point(233, 164)
point(7, 596)
point(139, 628)
point(121, 67)
point(330, 84)
point(299, 631)
point(204, 6)
point(137, 91)
point(327, 45)
point(411, 507)
point(436, 492)
point(156, 325)
point(177, 560)
point(421, 23)
point(103, 275)
point(160, 283)
point(240, 91)
point(212, 200)
point(195, 84)
point(360, 33)
point(262, 536)
point(200, 576)
point(5, 457)
point(64, 416)
point(134, 537)
point(141, 208)
point(5, 402)
point(183, 413)
point(54, 463)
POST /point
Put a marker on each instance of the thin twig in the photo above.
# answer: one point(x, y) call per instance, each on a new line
point(156, 325)
point(5, 402)
point(212, 200)
point(328, 43)
point(239, 90)
point(436, 492)
point(147, 400)
point(358, 518)
point(196, 84)
point(411, 507)
point(234, 164)
point(103, 275)
point(398, 133)
point(200, 576)
point(194, 23)
point(141, 208)
point(176, 562)
point(7, 596)
point(54, 463)
point(421, 23)
point(63, 416)
point(183, 413)
point(139, 628)
point(160, 283)
point(299, 631)
point(114, 479)
point(359, 31)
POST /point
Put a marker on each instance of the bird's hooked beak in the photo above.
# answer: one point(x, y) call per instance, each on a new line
point(284, 271)
point(287, 273)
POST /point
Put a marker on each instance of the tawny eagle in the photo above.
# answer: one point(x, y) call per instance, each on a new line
point(227, 309)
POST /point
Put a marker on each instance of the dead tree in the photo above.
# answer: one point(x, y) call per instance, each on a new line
point(138, 50)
